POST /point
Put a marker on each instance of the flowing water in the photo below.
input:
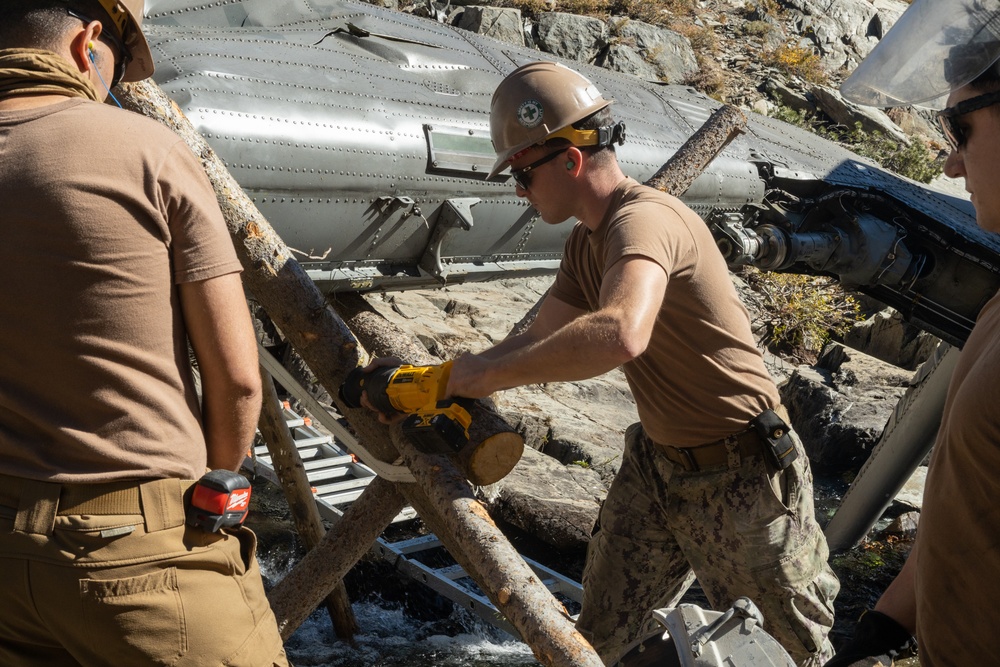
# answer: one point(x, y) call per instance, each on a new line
point(392, 637)
point(403, 623)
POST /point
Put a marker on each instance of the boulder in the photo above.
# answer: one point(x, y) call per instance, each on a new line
point(912, 493)
point(579, 38)
point(504, 24)
point(902, 527)
point(840, 406)
point(557, 504)
point(786, 96)
point(669, 53)
point(887, 336)
point(849, 114)
point(844, 31)
point(623, 58)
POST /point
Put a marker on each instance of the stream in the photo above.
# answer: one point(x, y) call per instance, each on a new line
point(403, 623)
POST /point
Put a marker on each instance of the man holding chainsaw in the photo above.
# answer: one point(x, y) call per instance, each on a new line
point(945, 54)
point(712, 479)
point(114, 257)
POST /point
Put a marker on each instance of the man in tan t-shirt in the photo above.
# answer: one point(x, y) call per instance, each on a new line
point(643, 286)
point(114, 258)
point(945, 53)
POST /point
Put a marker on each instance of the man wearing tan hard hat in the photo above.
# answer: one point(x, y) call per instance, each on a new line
point(712, 479)
point(114, 258)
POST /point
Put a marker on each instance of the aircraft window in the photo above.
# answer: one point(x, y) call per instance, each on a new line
point(459, 149)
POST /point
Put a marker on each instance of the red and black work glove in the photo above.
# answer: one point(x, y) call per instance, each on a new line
point(876, 637)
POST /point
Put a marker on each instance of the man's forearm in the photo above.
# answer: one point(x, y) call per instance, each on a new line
point(587, 347)
point(229, 422)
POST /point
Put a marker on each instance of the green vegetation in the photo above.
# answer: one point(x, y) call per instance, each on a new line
point(915, 161)
point(757, 28)
point(803, 312)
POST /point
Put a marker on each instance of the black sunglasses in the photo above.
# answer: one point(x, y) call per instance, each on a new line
point(522, 176)
point(125, 56)
point(948, 118)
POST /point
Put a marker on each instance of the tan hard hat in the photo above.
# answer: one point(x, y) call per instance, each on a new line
point(127, 18)
point(533, 103)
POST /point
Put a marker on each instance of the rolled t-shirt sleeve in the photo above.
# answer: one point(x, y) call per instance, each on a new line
point(200, 244)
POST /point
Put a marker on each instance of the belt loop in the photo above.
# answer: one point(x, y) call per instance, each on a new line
point(36, 510)
point(734, 459)
point(162, 504)
point(690, 464)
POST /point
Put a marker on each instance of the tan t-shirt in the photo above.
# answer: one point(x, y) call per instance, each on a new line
point(958, 543)
point(104, 213)
point(701, 378)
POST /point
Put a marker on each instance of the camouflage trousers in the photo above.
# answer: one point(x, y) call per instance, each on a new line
point(744, 531)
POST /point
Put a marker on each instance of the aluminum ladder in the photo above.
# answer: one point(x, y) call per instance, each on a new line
point(338, 478)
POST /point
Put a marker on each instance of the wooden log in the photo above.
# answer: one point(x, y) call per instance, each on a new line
point(291, 472)
point(292, 300)
point(690, 160)
point(324, 567)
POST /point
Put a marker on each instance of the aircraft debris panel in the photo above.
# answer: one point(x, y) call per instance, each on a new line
point(362, 134)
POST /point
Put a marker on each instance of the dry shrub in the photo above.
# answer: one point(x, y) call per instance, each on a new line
point(801, 313)
point(709, 78)
point(702, 38)
point(800, 61)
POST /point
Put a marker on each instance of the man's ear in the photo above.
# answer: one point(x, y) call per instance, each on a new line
point(83, 46)
point(574, 160)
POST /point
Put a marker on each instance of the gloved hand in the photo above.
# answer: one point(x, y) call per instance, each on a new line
point(878, 637)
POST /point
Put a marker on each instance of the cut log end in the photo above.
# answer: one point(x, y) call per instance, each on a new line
point(492, 459)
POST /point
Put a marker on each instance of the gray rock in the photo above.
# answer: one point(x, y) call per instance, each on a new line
point(844, 31)
point(622, 58)
point(887, 336)
point(903, 526)
point(840, 406)
point(670, 53)
point(848, 114)
point(888, 12)
point(556, 503)
point(570, 36)
point(912, 493)
point(915, 123)
point(788, 97)
point(500, 23)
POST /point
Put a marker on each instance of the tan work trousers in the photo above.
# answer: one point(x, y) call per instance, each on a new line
point(744, 529)
point(135, 588)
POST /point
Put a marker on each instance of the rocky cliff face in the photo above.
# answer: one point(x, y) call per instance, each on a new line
point(759, 55)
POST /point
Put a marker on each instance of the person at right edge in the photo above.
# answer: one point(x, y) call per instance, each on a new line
point(115, 256)
point(946, 53)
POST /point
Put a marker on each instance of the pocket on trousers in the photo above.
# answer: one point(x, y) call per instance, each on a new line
point(766, 521)
point(138, 620)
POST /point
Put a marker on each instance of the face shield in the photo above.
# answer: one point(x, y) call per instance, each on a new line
point(934, 48)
